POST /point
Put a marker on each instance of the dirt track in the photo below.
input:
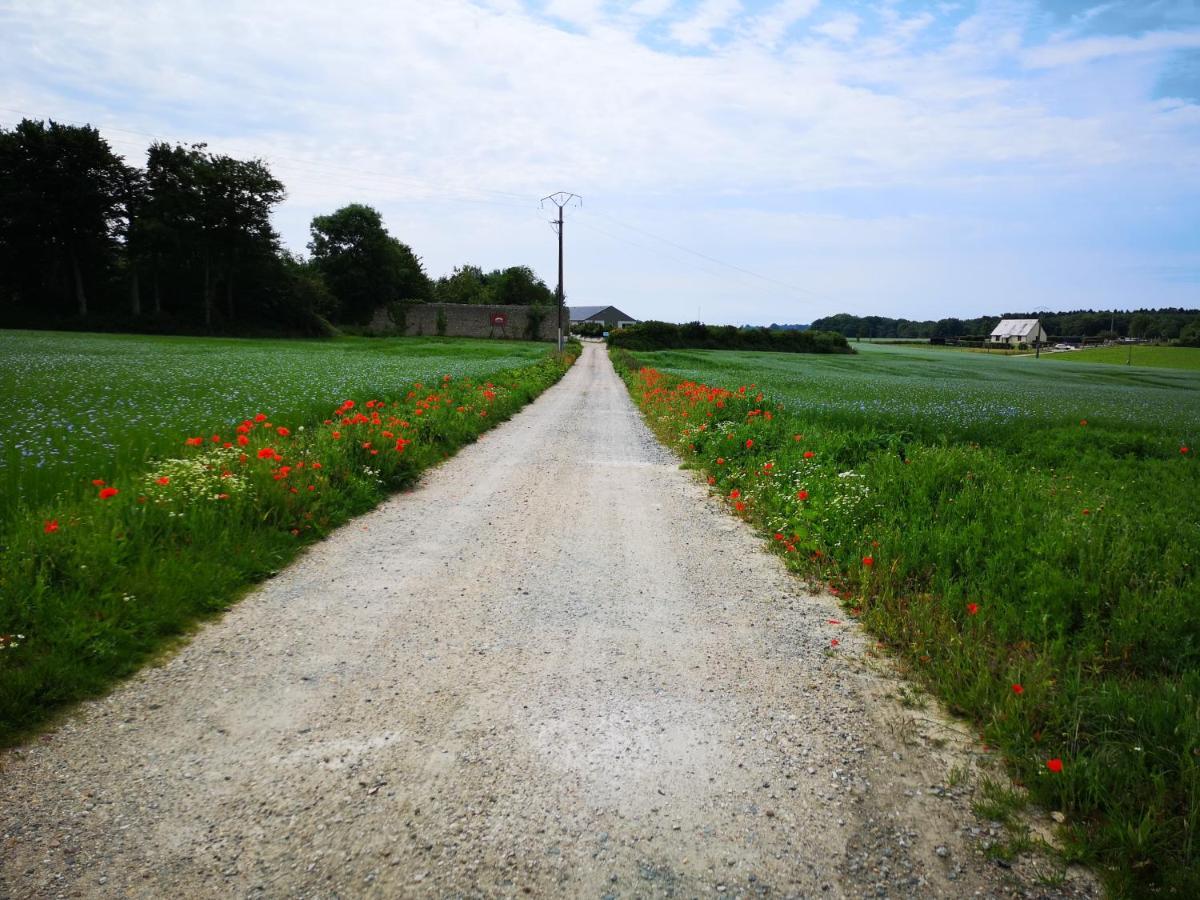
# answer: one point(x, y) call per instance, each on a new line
point(556, 668)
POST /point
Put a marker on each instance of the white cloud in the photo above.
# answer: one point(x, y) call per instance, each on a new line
point(770, 26)
point(453, 118)
point(584, 13)
point(710, 15)
point(842, 27)
point(1086, 50)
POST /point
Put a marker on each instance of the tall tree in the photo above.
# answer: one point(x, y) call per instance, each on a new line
point(364, 266)
point(62, 193)
point(209, 214)
point(519, 286)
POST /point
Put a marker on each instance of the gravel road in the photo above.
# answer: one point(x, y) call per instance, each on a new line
point(556, 668)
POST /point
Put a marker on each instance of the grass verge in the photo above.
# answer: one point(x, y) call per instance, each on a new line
point(91, 585)
point(1048, 592)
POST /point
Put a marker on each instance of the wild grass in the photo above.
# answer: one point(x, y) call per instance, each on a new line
point(1138, 355)
point(1025, 536)
point(97, 576)
point(84, 406)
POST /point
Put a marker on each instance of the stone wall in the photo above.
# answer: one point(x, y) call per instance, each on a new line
point(466, 320)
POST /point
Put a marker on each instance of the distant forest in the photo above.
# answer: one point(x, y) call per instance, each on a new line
point(185, 244)
point(1165, 324)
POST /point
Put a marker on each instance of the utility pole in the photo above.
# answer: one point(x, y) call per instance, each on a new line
point(560, 199)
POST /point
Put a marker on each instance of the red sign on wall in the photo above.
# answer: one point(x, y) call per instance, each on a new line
point(500, 320)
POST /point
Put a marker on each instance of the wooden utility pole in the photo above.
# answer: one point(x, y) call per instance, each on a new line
point(560, 199)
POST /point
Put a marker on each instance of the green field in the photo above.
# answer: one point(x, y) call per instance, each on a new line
point(1137, 355)
point(996, 522)
point(148, 482)
point(87, 406)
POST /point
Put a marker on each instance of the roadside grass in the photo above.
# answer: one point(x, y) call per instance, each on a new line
point(94, 580)
point(1138, 355)
point(1028, 545)
point(90, 404)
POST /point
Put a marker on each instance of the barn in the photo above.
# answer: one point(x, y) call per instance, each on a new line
point(1018, 331)
point(608, 316)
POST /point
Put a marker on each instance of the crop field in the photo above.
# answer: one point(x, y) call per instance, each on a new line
point(1138, 355)
point(95, 404)
point(1023, 535)
point(149, 481)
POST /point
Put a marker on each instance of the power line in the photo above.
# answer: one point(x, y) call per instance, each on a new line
point(713, 259)
point(561, 199)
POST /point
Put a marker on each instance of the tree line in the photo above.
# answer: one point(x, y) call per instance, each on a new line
point(185, 243)
point(1165, 324)
point(651, 335)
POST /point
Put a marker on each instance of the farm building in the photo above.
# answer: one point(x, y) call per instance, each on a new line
point(604, 315)
point(1018, 331)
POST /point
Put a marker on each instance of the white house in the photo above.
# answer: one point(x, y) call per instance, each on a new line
point(1018, 331)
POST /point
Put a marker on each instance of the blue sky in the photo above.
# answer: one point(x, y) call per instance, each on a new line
point(754, 161)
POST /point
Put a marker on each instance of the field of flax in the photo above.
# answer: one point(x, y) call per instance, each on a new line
point(92, 405)
point(150, 531)
point(1026, 537)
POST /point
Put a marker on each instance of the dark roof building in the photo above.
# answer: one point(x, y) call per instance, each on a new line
point(607, 315)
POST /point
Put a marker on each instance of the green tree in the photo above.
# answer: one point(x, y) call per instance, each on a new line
point(62, 192)
point(206, 219)
point(466, 284)
point(1140, 325)
point(364, 266)
point(519, 286)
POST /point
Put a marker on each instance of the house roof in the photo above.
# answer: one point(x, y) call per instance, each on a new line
point(1015, 327)
point(583, 313)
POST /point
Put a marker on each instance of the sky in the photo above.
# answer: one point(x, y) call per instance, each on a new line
point(739, 161)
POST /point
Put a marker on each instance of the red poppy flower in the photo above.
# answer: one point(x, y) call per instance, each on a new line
point(1087, 512)
point(712, 479)
point(798, 437)
point(1018, 689)
point(1054, 765)
point(163, 480)
point(740, 506)
point(735, 493)
point(834, 642)
point(261, 417)
point(778, 536)
point(868, 560)
point(242, 440)
point(194, 441)
point(801, 495)
point(833, 621)
point(972, 609)
point(216, 439)
point(337, 435)
point(749, 443)
point(266, 453)
point(720, 460)
point(51, 526)
point(107, 492)
point(1083, 421)
point(808, 454)
point(283, 432)
point(1183, 449)
point(98, 482)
